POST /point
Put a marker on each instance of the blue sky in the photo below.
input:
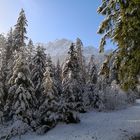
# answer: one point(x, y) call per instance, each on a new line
point(55, 19)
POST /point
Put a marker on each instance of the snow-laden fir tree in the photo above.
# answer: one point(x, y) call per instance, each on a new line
point(4, 58)
point(103, 78)
point(6, 65)
point(94, 98)
point(58, 77)
point(50, 64)
point(48, 113)
point(8, 58)
point(39, 64)
point(9, 39)
point(3, 89)
point(2, 93)
point(79, 49)
point(9, 45)
point(92, 71)
point(6, 54)
point(19, 33)
point(2, 41)
point(21, 99)
point(31, 48)
point(55, 73)
point(2, 46)
point(72, 87)
point(30, 53)
point(103, 85)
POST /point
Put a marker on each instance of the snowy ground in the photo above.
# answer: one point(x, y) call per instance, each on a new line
point(117, 125)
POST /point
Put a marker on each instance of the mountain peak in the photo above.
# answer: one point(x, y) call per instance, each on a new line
point(58, 50)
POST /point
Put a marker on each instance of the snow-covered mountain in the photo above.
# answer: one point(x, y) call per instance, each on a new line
point(58, 50)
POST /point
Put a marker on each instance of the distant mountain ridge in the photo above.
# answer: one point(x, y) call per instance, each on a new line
point(58, 50)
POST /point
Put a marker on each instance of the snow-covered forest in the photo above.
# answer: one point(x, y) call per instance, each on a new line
point(37, 94)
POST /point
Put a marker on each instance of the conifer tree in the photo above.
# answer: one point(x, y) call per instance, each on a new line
point(72, 84)
point(79, 49)
point(30, 48)
point(94, 98)
point(58, 76)
point(121, 25)
point(50, 65)
point(39, 64)
point(48, 113)
point(6, 56)
point(55, 73)
point(4, 71)
point(9, 56)
point(2, 47)
point(103, 85)
point(3, 85)
point(21, 97)
point(4, 61)
point(30, 53)
point(9, 44)
point(20, 31)
point(104, 74)
point(2, 42)
point(92, 71)
point(2, 93)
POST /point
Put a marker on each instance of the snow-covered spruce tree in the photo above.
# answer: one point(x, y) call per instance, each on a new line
point(7, 46)
point(55, 72)
point(94, 98)
point(6, 54)
point(3, 89)
point(82, 69)
point(121, 25)
point(2, 41)
point(8, 58)
point(21, 97)
point(3, 53)
point(31, 48)
point(92, 71)
point(39, 64)
point(102, 84)
point(50, 64)
point(113, 68)
point(48, 113)
point(103, 78)
point(72, 75)
point(2, 44)
point(58, 77)
point(79, 49)
point(30, 53)
point(2, 96)
point(72, 88)
point(20, 31)
point(9, 43)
